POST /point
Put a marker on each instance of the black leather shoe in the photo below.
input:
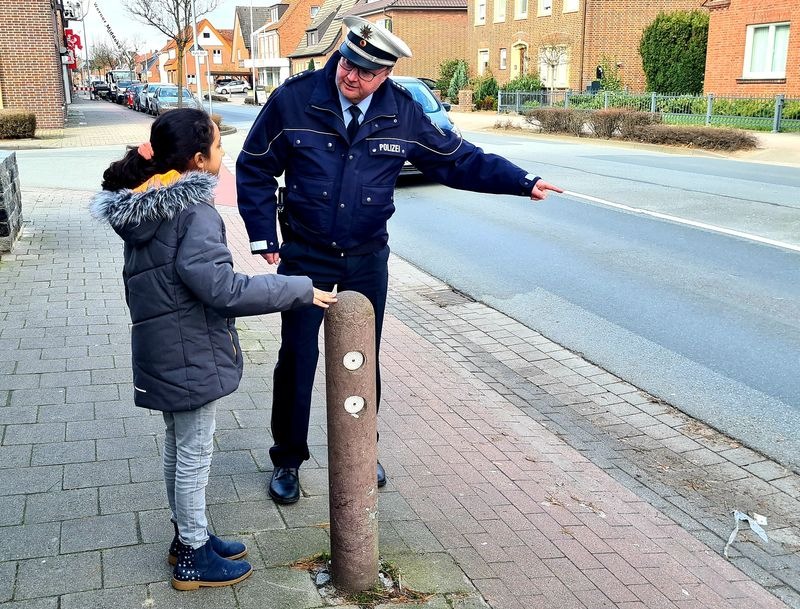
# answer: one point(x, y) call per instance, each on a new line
point(284, 488)
point(381, 476)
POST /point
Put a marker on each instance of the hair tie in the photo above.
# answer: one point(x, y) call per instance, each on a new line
point(145, 151)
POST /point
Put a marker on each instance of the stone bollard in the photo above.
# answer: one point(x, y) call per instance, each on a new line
point(352, 445)
point(10, 201)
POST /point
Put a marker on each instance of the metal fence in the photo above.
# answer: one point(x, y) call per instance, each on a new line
point(757, 113)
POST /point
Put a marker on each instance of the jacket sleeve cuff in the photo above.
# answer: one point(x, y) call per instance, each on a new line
point(527, 183)
point(262, 247)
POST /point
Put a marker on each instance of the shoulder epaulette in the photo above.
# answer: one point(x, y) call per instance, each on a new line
point(299, 76)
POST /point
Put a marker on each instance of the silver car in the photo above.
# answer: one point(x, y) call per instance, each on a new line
point(166, 98)
point(234, 86)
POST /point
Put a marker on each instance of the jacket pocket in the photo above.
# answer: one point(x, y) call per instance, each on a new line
point(376, 207)
point(308, 203)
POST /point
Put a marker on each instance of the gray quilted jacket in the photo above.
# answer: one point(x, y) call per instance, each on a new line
point(183, 293)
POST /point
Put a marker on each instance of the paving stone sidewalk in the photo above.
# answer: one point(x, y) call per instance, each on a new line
point(519, 474)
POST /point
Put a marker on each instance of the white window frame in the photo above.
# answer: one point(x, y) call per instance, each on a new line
point(571, 6)
point(503, 58)
point(483, 61)
point(314, 11)
point(545, 8)
point(499, 10)
point(519, 5)
point(480, 12)
point(216, 56)
point(748, 50)
point(560, 73)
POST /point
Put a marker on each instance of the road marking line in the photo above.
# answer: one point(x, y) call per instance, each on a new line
point(694, 223)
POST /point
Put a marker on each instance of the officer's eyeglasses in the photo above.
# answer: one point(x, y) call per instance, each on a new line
point(349, 66)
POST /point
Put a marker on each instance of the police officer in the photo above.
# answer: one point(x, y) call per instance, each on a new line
point(341, 135)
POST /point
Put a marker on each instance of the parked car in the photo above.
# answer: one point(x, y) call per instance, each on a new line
point(436, 110)
point(166, 98)
point(234, 86)
point(132, 95)
point(146, 95)
point(98, 89)
point(120, 93)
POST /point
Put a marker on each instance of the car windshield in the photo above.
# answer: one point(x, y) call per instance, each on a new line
point(421, 94)
point(172, 92)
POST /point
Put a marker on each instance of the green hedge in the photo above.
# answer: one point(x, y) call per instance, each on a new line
point(17, 124)
point(673, 51)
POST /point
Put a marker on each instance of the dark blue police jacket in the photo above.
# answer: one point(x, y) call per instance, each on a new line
point(339, 195)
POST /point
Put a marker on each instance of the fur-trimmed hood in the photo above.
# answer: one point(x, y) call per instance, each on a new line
point(136, 216)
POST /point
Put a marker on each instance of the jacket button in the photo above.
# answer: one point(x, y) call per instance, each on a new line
point(341, 205)
point(369, 199)
point(330, 145)
point(297, 141)
point(395, 120)
point(374, 150)
point(333, 244)
point(350, 157)
point(324, 194)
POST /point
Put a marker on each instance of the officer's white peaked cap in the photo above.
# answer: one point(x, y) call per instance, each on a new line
point(370, 45)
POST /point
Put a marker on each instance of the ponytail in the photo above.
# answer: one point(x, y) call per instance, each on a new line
point(175, 136)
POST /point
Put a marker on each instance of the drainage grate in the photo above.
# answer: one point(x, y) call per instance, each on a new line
point(447, 298)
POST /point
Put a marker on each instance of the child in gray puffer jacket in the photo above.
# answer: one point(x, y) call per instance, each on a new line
point(183, 295)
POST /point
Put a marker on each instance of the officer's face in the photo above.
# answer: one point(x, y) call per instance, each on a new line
point(353, 84)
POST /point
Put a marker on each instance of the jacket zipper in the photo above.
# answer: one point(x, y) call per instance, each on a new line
point(233, 344)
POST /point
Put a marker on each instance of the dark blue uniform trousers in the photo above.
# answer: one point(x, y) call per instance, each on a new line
point(299, 352)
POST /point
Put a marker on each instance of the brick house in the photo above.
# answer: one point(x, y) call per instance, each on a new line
point(753, 48)
point(322, 35)
point(279, 36)
point(218, 62)
point(243, 32)
point(510, 37)
point(425, 26)
point(32, 76)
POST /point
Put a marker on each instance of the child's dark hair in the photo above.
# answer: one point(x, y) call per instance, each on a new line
point(176, 136)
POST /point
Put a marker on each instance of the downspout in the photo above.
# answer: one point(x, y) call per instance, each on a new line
point(583, 44)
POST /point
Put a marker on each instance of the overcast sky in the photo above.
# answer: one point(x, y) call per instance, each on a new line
point(126, 28)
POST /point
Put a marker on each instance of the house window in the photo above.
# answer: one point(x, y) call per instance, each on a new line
point(311, 37)
point(499, 10)
point(765, 51)
point(483, 61)
point(172, 54)
point(386, 23)
point(314, 11)
point(480, 12)
point(520, 9)
point(217, 55)
point(206, 34)
point(571, 6)
point(503, 59)
point(273, 14)
point(545, 8)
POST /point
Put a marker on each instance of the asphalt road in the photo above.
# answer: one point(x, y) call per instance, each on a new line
point(704, 320)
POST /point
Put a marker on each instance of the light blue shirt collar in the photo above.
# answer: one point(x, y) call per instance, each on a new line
point(363, 105)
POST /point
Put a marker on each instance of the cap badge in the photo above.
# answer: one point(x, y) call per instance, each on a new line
point(365, 32)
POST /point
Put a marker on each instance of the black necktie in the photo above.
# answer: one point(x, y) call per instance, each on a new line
point(352, 126)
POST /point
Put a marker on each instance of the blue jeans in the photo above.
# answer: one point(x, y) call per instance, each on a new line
point(188, 447)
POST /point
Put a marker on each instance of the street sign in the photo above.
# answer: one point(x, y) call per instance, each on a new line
point(200, 53)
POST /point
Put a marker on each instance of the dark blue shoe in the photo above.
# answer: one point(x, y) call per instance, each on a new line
point(284, 487)
point(381, 476)
point(205, 568)
point(226, 549)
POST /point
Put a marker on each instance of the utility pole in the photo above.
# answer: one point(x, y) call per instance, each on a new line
point(196, 52)
point(253, 56)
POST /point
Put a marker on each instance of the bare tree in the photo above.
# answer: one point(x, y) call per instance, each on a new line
point(172, 18)
point(553, 52)
point(104, 57)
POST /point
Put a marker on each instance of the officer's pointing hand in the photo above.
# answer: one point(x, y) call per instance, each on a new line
point(272, 258)
point(539, 191)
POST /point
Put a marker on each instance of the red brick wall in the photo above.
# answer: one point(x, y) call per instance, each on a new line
point(726, 46)
point(613, 28)
point(432, 36)
point(30, 63)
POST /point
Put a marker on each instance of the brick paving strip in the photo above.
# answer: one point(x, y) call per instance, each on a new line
point(534, 470)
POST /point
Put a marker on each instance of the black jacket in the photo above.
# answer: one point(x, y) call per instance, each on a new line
point(183, 293)
point(340, 194)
